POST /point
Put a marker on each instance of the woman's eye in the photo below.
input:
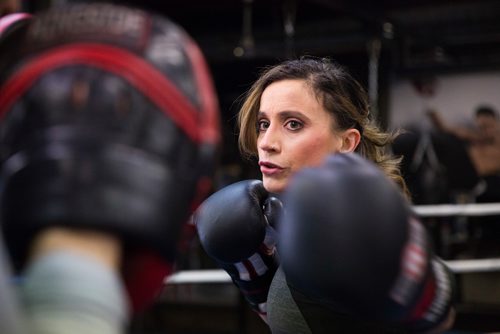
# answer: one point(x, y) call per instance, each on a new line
point(262, 125)
point(294, 125)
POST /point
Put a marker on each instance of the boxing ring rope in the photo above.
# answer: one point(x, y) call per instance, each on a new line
point(444, 210)
point(219, 276)
point(424, 211)
point(199, 276)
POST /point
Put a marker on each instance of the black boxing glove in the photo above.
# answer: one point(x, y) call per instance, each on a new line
point(109, 122)
point(349, 240)
point(233, 227)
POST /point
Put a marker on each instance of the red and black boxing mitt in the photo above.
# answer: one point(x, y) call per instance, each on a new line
point(109, 121)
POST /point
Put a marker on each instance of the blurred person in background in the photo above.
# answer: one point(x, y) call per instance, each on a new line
point(482, 140)
point(481, 144)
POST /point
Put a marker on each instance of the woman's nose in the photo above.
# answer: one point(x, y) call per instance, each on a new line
point(269, 140)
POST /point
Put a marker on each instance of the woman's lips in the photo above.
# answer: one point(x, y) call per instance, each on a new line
point(269, 169)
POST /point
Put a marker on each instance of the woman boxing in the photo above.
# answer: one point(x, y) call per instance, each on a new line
point(353, 257)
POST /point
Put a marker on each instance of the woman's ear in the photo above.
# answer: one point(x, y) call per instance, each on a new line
point(350, 140)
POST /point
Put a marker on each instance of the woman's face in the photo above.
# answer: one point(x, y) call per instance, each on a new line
point(295, 131)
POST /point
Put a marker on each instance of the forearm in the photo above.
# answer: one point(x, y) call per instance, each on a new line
point(69, 285)
point(463, 133)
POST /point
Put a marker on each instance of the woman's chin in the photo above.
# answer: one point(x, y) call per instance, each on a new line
point(274, 186)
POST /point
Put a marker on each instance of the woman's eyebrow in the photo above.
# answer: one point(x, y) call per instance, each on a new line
point(286, 114)
point(292, 113)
